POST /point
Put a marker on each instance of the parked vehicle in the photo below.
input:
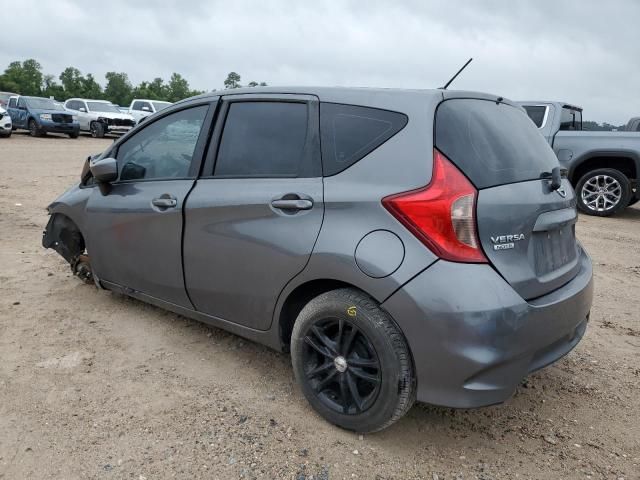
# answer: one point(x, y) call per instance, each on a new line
point(603, 167)
point(4, 98)
point(99, 117)
point(401, 244)
point(41, 116)
point(141, 108)
point(6, 127)
point(123, 109)
point(633, 125)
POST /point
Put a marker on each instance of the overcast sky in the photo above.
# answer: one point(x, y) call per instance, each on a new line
point(582, 52)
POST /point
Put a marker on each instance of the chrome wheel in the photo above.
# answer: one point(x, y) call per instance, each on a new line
point(341, 366)
point(601, 193)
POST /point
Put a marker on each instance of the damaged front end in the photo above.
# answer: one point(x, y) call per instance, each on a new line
point(62, 235)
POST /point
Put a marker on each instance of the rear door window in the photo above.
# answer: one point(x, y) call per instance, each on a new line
point(265, 139)
point(492, 143)
point(570, 119)
point(13, 102)
point(350, 132)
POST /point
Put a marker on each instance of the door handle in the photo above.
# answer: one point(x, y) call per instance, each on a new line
point(295, 203)
point(292, 204)
point(164, 202)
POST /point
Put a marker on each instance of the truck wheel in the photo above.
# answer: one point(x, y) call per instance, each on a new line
point(603, 192)
point(352, 362)
point(97, 130)
point(73, 135)
point(34, 131)
point(633, 201)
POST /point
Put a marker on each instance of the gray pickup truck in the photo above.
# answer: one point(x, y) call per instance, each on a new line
point(603, 167)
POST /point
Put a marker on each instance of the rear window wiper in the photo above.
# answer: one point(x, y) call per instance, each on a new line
point(556, 175)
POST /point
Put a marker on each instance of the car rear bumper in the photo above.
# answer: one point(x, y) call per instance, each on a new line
point(473, 338)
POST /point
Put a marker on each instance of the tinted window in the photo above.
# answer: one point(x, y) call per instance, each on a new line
point(163, 149)
point(570, 119)
point(536, 114)
point(349, 133)
point(137, 106)
point(12, 102)
point(264, 139)
point(21, 102)
point(492, 143)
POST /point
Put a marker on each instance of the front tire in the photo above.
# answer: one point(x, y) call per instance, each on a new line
point(352, 362)
point(97, 130)
point(73, 135)
point(603, 192)
point(34, 131)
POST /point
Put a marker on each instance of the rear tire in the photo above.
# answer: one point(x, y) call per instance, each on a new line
point(633, 201)
point(34, 131)
point(359, 374)
point(97, 130)
point(603, 192)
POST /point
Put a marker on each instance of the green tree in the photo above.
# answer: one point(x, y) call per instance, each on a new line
point(178, 88)
point(153, 90)
point(72, 82)
point(91, 88)
point(118, 89)
point(23, 77)
point(50, 88)
point(232, 81)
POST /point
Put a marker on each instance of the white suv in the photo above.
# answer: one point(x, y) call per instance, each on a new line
point(141, 108)
point(99, 117)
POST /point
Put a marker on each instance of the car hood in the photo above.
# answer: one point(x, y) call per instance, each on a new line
point(50, 111)
point(2, 111)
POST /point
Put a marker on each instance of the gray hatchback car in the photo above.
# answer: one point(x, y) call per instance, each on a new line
point(401, 244)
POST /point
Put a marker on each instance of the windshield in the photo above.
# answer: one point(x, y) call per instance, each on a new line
point(102, 107)
point(160, 105)
point(43, 104)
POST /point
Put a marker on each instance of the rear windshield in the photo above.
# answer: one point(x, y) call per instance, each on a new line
point(492, 143)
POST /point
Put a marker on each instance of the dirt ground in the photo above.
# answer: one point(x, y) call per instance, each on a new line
point(96, 385)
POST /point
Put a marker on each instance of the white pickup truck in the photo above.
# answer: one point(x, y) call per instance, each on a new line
point(142, 108)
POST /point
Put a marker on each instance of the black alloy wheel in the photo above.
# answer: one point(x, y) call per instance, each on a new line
point(341, 366)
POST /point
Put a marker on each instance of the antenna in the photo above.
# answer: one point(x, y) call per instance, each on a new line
point(457, 73)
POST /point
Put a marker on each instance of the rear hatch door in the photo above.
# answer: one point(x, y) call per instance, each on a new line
point(526, 228)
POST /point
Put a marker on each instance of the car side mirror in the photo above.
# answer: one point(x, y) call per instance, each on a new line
point(146, 109)
point(104, 170)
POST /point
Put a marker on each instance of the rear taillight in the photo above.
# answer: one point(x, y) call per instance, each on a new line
point(442, 214)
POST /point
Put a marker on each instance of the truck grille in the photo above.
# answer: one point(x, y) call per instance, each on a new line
point(61, 118)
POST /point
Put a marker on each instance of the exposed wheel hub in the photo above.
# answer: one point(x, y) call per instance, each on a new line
point(340, 363)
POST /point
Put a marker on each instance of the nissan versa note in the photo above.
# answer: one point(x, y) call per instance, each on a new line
point(401, 244)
